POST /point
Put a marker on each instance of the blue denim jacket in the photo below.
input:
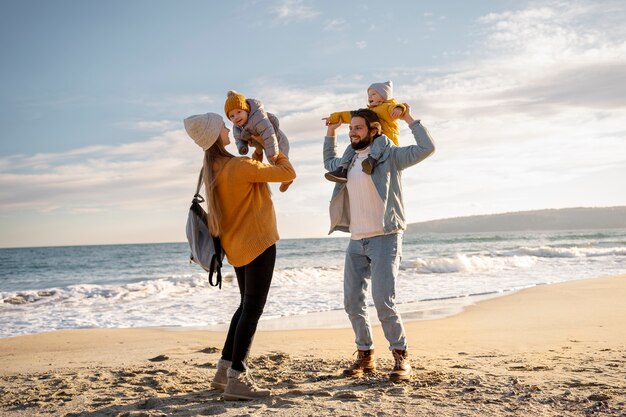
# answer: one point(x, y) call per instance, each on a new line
point(387, 178)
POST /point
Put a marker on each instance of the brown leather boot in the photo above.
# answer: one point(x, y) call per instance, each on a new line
point(364, 363)
point(402, 368)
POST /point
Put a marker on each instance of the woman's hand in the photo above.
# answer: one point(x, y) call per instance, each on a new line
point(257, 142)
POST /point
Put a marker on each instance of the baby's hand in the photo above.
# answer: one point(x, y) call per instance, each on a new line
point(396, 113)
point(331, 126)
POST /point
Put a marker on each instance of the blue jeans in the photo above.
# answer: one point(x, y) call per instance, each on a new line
point(376, 259)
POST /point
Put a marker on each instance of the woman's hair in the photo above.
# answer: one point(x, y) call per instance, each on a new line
point(372, 121)
point(212, 155)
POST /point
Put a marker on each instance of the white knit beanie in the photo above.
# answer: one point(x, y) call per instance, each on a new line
point(384, 89)
point(204, 129)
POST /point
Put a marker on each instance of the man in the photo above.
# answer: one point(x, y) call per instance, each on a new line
point(370, 207)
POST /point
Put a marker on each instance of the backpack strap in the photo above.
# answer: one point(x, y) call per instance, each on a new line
point(216, 263)
point(197, 194)
point(216, 259)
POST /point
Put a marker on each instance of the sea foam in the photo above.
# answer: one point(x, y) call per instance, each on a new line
point(156, 286)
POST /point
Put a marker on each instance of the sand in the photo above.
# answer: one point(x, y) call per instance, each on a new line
point(552, 350)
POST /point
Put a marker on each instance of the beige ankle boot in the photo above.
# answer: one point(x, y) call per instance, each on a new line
point(240, 386)
point(220, 379)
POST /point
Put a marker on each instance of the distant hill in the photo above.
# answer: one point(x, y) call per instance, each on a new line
point(549, 219)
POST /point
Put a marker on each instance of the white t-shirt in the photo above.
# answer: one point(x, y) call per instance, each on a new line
point(366, 206)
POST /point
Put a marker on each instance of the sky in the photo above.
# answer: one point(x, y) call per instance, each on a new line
point(526, 102)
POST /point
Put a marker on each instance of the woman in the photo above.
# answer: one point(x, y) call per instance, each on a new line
point(242, 215)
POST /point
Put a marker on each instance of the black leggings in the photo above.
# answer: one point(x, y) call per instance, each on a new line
point(254, 282)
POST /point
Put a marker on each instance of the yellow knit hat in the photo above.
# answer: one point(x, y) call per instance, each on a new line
point(234, 100)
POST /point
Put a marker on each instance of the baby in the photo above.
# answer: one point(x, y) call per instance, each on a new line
point(380, 100)
point(250, 119)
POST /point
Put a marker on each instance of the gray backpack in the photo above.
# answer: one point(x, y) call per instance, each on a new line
point(206, 250)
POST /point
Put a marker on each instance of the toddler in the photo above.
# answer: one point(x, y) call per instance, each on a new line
point(249, 118)
point(380, 100)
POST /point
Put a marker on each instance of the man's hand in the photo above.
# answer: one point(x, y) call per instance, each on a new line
point(407, 114)
point(332, 127)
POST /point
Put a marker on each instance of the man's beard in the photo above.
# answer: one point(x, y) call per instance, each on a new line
point(362, 143)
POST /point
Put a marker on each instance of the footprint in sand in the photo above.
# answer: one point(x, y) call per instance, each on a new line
point(347, 395)
point(529, 368)
point(397, 391)
point(102, 401)
point(159, 372)
point(209, 350)
point(159, 358)
point(133, 414)
point(599, 397)
point(150, 404)
point(206, 365)
point(214, 410)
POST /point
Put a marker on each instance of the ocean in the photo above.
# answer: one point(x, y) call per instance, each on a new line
point(142, 285)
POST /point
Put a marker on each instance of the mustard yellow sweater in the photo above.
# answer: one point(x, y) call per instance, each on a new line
point(383, 110)
point(248, 224)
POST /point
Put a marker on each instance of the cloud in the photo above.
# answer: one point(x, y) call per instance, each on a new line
point(294, 10)
point(151, 125)
point(334, 24)
point(537, 61)
point(588, 85)
point(165, 103)
point(528, 121)
point(534, 118)
point(483, 112)
point(361, 44)
point(553, 56)
point(159, 103)
point(129, 176)
point(431, 20)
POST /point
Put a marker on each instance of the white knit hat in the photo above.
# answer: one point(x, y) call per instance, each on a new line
point(384, 89)
point(204, 129)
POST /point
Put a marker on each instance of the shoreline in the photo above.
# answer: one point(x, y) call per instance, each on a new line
point(556, 349)
point(337, 319)
point(429, 309)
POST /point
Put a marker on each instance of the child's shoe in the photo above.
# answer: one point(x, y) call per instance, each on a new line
point(338, 175)
point(369, 164)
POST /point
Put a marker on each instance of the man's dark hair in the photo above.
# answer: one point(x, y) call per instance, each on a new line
point(372, 121)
